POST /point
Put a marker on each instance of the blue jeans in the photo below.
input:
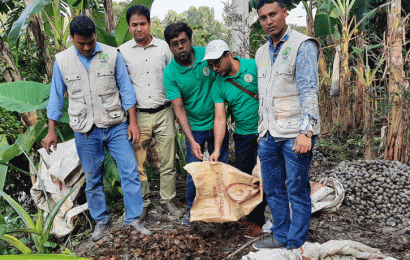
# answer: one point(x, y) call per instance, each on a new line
point(90, 148)
point(278, 164)
point(246, 152)
point(201, 137)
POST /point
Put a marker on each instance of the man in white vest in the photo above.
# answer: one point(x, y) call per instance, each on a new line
point(146, 58)
point(288, 124)
point(99, 92)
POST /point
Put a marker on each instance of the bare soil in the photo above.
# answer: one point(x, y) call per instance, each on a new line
point(173, 240)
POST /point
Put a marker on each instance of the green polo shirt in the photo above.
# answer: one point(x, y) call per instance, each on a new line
point(193, 85)
point(244, 107)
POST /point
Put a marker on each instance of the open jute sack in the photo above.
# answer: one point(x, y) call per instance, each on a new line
point(224, 193)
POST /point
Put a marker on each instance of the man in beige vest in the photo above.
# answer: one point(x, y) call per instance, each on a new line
point(99, 91)
point(146, 58)
point(288, 124)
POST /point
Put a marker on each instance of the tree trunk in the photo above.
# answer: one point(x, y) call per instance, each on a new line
point(11, 72)
point(359, 92)
point(325, 107)
point(109, 16)
point(398, 121)
point(368, 121)
point(345, 112)
point(35, 27)
point(240, 28)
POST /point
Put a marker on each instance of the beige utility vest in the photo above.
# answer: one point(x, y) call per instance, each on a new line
point(94, 97)
point(279, 103)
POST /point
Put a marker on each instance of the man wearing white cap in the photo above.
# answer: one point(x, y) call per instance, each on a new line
point(236, 84)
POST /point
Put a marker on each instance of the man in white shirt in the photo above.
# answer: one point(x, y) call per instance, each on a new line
point(146, 58)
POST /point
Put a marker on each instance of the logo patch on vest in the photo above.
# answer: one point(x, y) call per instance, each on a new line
point(285, 55)
point(103, 57)
point(248, 78)
point(206, 71)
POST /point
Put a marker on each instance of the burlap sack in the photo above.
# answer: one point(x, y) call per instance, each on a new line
point(223, 193)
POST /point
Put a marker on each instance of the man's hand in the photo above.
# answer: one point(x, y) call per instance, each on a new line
point(303, 144)
point(196, 150)
point(214, 156)
point(134, 132)
point(50, 139)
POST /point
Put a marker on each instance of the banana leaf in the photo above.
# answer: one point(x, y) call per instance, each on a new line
point(19, 26)
point(16, 243)
point(121, 31)
point(3, 174)
point(24, 96)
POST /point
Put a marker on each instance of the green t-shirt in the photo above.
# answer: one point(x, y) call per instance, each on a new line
point(244, 107)
point(193, 85)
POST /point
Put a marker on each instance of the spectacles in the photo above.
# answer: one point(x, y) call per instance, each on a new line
point(216, 62)
point(177, 43)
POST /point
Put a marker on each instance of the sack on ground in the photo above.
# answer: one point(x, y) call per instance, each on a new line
point(59, 171)
point(223, 193)
point(327, 195)
point(331, 250)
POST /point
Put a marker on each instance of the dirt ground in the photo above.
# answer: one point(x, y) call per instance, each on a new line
point(172, 240)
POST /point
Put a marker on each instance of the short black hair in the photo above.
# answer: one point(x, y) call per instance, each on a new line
point(138, 10)
point(174, 29)
point(82, 25)
point(263, 2)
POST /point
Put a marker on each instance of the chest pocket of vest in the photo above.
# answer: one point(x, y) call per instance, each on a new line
point(286, 73)
point(73, 85)
point(106, 80)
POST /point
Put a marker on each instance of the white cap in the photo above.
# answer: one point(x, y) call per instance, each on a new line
point(215, 49)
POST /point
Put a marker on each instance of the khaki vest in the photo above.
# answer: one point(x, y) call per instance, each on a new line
point(94, 97)
point(279, 103)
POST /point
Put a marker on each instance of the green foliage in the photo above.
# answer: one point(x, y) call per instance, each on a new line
point(157, 28)
point(324, 22)
point(360, 8)
point(34, 7)
point(24, 96)
point(181, 153)
point(10, 125)
point(122, 34)
point(40, 232)
point(203, 23)
point(106, 38)
point(257, 37)
point(112, 184)
point(331, 14)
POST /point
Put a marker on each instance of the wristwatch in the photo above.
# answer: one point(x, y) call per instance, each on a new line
point(308, 133)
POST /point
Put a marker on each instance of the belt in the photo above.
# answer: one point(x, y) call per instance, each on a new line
point(154, 110)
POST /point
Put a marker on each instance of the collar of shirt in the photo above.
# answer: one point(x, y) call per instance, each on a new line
point(153, 43)
point(197, 60)
point(274, 51)
point(96, 50)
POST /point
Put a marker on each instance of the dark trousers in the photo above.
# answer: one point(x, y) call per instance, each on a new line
point(246, 151)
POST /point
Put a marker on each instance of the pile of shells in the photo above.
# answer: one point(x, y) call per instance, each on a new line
point(377, 190)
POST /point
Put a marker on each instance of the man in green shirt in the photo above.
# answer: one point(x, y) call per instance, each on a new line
point(244, 107)
point(188, 81)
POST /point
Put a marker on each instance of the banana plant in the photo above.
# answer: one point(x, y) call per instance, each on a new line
point(39, 230)
point(367, 77)
point(332, 15)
